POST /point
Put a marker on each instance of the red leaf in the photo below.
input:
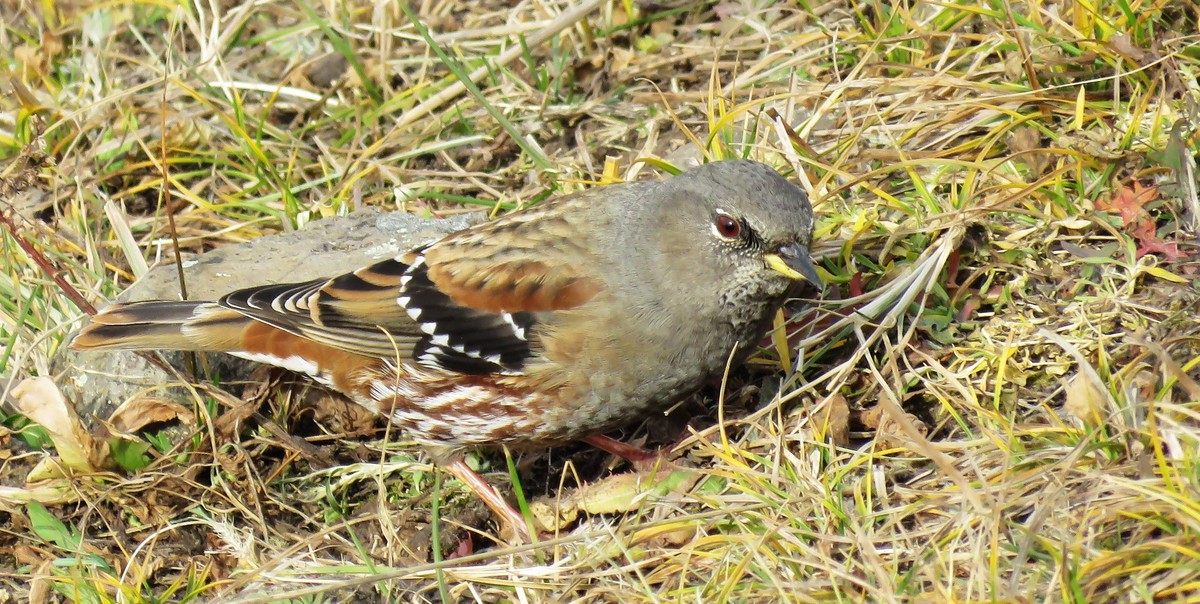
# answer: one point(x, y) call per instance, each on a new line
point(856, 285)
point(1149, 242)
point(1169, 250)
point(1129, 202)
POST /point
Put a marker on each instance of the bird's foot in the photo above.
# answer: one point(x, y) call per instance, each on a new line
point(642, 460)
point(512, 521)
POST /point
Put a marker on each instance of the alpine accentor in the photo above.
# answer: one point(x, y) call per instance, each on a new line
point(541, 327)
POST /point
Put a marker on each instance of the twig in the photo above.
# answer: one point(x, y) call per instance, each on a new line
point(21, 175)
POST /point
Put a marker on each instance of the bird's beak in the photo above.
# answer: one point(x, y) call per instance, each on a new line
point(794, 262)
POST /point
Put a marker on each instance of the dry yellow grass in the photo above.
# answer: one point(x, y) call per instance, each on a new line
point(997, 399)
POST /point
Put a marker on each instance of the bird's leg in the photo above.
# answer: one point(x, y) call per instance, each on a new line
point(490, 496)
point(641, 459)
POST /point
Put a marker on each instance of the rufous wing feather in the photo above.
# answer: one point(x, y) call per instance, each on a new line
point(500, 267)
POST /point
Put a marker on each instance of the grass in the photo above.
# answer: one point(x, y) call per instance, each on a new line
point(997, 394)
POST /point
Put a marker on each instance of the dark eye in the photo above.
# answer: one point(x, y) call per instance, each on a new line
point(727, 226)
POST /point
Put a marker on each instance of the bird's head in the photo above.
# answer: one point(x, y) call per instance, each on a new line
point(736, 227)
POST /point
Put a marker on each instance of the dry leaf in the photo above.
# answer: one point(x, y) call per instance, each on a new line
point(39, 399)
point(1123, 44)
point(137, 413)
point(890, 434)
point(615, 494)
point(1026, 142)
point(1084, 400)
point(674, 534)
point(51, 492)
point(832, 420)
point(871, 418)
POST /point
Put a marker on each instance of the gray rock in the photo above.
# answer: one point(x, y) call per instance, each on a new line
point(100, 381)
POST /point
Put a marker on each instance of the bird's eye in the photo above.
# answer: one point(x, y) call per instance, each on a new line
point(726, 226)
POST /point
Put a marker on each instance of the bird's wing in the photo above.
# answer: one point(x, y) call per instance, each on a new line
point(531, 261)
point(467, 303)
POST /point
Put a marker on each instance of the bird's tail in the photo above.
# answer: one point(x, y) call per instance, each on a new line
point(164, 325)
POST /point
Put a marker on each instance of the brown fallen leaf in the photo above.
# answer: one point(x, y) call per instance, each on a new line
point(870, 418)
point(137, 413)
point(888, 433)
point(674, 534)
point(832, 420)
point(1084, 401)
point(1026, 142)
point(337, 413)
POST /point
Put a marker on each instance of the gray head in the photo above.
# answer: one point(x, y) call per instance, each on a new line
point(753, 215)
point(733, 232)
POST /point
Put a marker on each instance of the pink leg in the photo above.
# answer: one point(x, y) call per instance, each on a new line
point(636, 456)
point(490, 496)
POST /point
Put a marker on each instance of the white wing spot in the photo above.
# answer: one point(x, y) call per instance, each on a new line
point(415, 313)
point(517, 329)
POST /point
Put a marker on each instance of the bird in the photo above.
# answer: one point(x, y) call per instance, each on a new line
point(547, 325)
